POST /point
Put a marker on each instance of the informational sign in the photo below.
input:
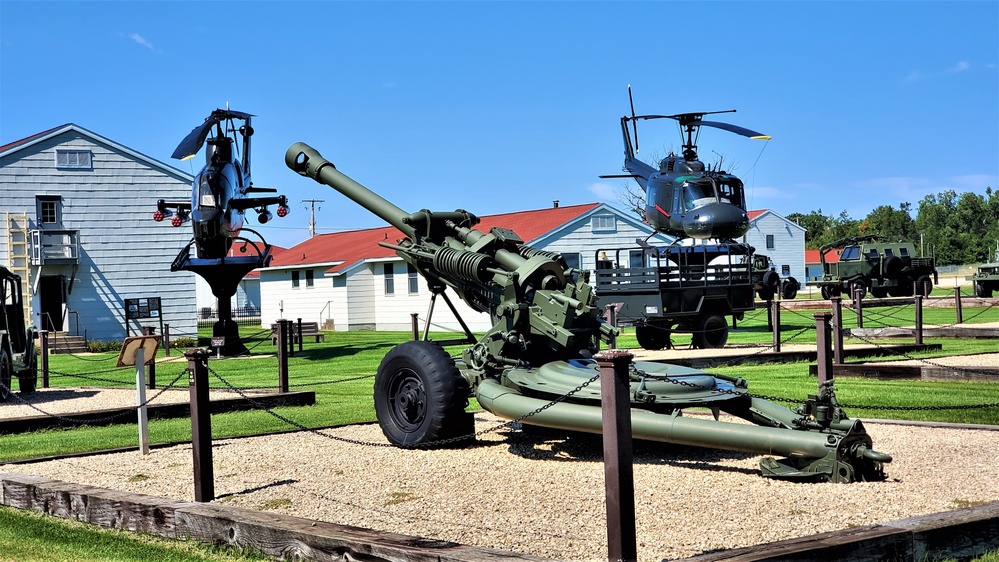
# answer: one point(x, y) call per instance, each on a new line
point(148, 307)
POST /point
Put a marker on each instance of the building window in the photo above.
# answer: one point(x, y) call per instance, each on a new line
point(770, 241)
point(295, 279)
point(636, 258)
point(414, 279)
point(604, 223)
point(389, 272)
point(74, 159)
point(48, 209)
point(309, 278)
point(573, 260)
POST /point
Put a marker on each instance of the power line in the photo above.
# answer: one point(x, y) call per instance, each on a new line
point(312, 221)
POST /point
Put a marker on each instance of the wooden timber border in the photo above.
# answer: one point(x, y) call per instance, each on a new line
point(961, 533)
point(753, 358)
point(912, 372)
point(176, 410)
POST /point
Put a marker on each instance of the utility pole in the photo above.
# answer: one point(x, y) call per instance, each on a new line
point(312, 221)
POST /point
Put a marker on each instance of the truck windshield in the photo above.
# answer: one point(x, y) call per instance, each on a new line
point(850, 253)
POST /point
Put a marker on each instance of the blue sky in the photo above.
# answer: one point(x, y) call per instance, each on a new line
point(504, 106)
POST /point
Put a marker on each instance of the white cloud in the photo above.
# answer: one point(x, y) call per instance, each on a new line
point(142, 41)
point(961, 66)
point(605, 191)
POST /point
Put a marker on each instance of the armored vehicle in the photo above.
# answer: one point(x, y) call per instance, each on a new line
point(536, 364)
point(986, 280)
point(17, 342)
point(872, 264)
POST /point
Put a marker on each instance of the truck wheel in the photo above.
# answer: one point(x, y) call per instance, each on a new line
point(879, 292)
point(789, 289)
point(858, 290)
point(924, 285)
point(6, 370)
point(711, 333)
point(766, 294)
point(892, 267)
point(982, 290)
point(651, 337)
point(27, 380)
point(824, 291)
point(419, 394)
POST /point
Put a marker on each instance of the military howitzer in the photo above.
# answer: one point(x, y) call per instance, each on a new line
point(533, 364)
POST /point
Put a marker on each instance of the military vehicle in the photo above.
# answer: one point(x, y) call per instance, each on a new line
point(872, 264)
point(689, 289)
point(535, 364)
point(986, 279)
point(17, 341)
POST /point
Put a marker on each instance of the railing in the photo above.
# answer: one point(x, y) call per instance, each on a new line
point(242, 316)
point(329, 317)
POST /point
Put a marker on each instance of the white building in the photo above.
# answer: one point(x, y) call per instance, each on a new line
point(346, 281)
point(780, 239)
point(78, 229)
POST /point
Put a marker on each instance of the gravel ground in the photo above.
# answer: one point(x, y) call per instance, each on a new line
point(544, 496)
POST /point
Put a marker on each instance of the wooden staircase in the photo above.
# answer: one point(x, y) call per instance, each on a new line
point(62, 342)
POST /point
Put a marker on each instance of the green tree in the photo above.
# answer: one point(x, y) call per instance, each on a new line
point(894, 224)
point(815, 224)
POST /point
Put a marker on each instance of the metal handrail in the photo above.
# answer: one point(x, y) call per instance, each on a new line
point(328, 303)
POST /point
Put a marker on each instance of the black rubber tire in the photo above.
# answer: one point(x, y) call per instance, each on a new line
point(982, 290)
point(711, 333)
point(27, 381)
point(419, 392)
point(858, 287)
point(652, 337)
point(771, 279)
point(892, 267)
point(879, 292)
point(789, 289)
point(824, 291)
point(766, 294)
point(924, 285)
point(6, 373)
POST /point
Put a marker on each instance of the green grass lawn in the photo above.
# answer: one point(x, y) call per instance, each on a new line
point(352, 357)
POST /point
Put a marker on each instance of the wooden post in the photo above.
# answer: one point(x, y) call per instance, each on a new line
point(612, 320)
point(140, 399)
point(151, 372)
point(284, 330)
point(300, 338)
point(166, 339)
point(837, 326)
point(44, 344)
point(823, 343)
point(957, 305)
point(770, 315)
point(615, 398)
point(776, 319)
point(201, 425)
point(919, 319)
point(416, 325)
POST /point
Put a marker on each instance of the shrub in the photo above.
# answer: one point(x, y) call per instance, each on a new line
point(98, 346)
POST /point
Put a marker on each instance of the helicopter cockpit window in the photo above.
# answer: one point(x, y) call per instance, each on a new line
point(730, 191)
point(695, 194)
point(209, 186)
point(850, 253)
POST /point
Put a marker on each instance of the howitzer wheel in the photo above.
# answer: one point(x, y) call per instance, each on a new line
point(27, 380)
point(711, 333)
point(982, 290)
point(924, 286)
point(6, 370)
point(420, 396)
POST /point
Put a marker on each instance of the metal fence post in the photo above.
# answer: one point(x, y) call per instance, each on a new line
point(823, 343)
point(919, 319)
point(837, 326)
point(301, 340)
point(166, 339)
point(284, 331)
point(858, 305)
point(612, 320)
point(416, 325)
point(615, 398)
point(151, 371)
point(770, 315)
point(44, 344)
point(957, 304)
point(201, 425)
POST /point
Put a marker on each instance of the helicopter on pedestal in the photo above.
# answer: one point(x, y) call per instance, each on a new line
point(220, 196)
point(683, 197)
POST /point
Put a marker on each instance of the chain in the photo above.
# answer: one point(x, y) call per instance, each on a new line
point(128, 411)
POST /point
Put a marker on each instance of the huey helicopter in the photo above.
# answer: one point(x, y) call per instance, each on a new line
point(220, 192)
point(683, 198)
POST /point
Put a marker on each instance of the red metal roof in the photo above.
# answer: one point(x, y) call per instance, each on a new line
point(832, 256)
point(355, 246)
point(275, 251)
point(25, 140)
point(756, 213)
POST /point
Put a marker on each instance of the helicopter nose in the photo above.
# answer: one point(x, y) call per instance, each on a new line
point(716, 220)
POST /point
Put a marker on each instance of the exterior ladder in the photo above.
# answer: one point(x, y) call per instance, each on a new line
point(18, 253)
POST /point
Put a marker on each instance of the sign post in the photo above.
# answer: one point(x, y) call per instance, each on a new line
point(134, 351)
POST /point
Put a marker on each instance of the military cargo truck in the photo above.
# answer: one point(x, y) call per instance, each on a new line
point(17, 341)
point(872, 264)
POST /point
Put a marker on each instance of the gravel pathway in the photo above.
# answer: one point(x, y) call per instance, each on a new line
point(544, 495)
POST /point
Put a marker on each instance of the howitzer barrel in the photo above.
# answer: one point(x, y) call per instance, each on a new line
point(307, 161)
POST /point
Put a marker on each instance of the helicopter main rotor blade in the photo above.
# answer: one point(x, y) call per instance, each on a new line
point(194, 140)
point(735, 129)
point(634, 124)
